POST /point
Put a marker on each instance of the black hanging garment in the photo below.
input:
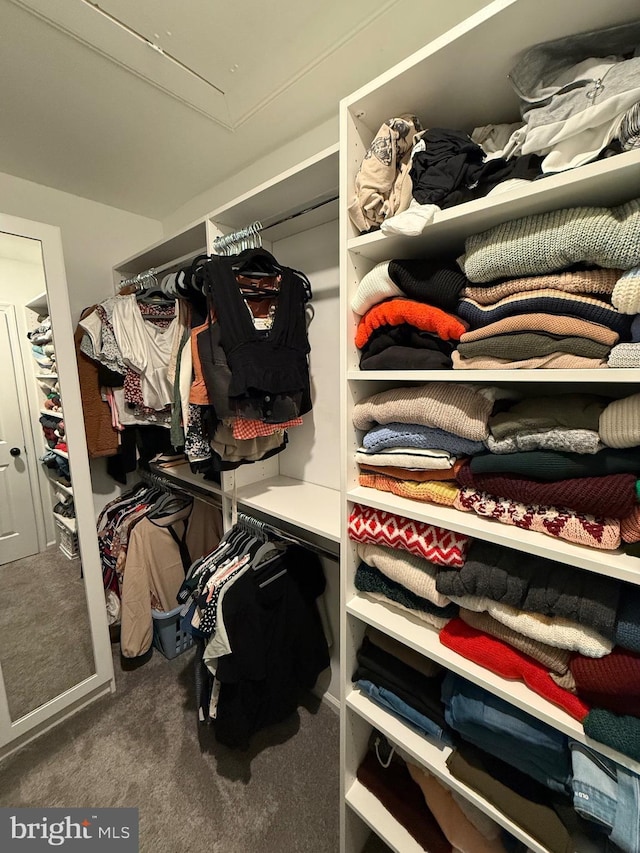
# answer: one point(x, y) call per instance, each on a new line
point(278, 646)
point(269, 368)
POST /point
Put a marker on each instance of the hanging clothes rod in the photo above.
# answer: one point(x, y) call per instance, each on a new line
point(140, 280)
point(264, 527)
point(168, 484)
point(249, 236)
point(244, 238)
point(302, 212)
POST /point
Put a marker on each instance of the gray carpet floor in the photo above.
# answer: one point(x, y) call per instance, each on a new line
point(45, 645)
point(142, 747)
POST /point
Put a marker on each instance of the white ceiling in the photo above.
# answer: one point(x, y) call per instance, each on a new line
point(88, 106)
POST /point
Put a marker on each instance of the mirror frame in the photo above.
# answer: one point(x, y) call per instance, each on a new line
point(15, 733)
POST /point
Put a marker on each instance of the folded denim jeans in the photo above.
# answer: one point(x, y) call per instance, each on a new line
point(388, 700)
point(607, 794)
point(505, 731)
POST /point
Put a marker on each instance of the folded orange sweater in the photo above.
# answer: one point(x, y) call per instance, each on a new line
point(394, 312)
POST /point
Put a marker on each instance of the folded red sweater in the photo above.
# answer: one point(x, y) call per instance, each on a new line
point(611, 682)
point(612, 496)
point(427, 318)
point(506, 661)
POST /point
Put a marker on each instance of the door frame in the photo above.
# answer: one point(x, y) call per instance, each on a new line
point(26, 418)
point(15, 733)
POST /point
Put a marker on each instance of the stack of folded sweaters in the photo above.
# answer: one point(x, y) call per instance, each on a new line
point(558, 290)
point(572, 636)
point(408, 315)
point(566, 465)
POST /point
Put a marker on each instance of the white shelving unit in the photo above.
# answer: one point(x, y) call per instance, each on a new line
point(298, 489)
point(65, 528)
point(458, 81)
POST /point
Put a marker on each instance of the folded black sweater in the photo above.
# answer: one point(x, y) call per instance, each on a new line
point(535, 584)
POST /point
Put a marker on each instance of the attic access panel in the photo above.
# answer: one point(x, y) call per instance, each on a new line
point(228, 60)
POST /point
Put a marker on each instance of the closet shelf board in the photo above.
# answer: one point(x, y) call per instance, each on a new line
point(66, 490)
point(305, 505)
point(48, 376)
point(49, 413)
point(165, 251)
point(289, 192)
point(69, 523)
point(614, 564)
point(39, 303)
point(381, 821)
point(607, 375)
point(433, 757)
point(62, 453)
point(603, 183)
point(424, 639)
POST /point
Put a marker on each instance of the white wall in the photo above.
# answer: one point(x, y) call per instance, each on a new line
point(94, 236)
point(261, 170)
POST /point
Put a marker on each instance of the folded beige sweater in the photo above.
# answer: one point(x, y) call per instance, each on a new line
point(414, 573)
point(459, 409)
point(552, 324)
point(582, 281)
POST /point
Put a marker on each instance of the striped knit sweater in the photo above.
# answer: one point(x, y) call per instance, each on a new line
point(545, 302)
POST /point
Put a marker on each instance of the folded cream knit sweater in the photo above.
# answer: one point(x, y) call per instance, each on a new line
point(414, 573)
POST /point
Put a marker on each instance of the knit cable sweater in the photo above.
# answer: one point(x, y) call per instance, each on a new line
point(545, 302)
point(460, 409)
point(545, 242)
point(534, 584)
point(394, 312)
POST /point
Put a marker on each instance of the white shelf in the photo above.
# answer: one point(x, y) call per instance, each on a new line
point(165, 252)
point(66, 490)
point(614, 564)
point(51, 414)
point(39, 303)
point(381, 821)
point(605, 375)
point(53, 377)
point(433, 757)
point(69, 523)
point(412, 632)
point(312, 180)
point(305, 505)
point(62, 453)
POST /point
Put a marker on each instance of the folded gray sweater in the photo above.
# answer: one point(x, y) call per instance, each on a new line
point(534, 584)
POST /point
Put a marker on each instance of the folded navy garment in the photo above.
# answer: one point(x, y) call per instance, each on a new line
point(414, 688)
point(551, 465)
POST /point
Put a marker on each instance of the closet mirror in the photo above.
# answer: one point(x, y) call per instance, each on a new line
point(46, 645)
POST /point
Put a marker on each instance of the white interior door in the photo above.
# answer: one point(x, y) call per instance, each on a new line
point(18, 530)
